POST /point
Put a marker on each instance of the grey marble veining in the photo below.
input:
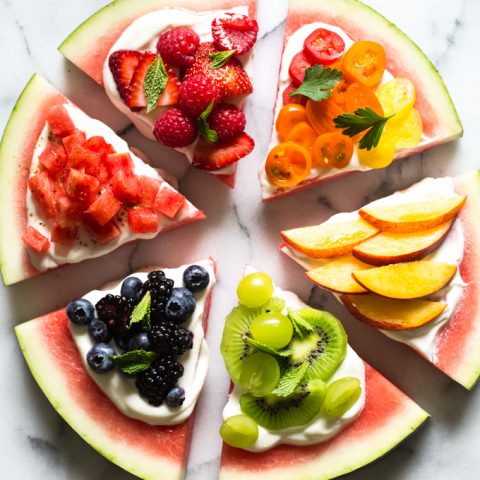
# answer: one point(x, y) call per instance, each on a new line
point(35, 443)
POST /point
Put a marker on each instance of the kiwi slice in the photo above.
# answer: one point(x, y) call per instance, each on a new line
point(234, 347)
point(275, 413)
point(324, 348)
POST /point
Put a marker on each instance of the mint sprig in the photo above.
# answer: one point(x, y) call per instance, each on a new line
point(265, 348)
point(318, 83)
point(155, 82)
point(135, 361)
point(207, 133)
point(300, 325)
point(141, 312)
point(219, 59)
point(290, 380)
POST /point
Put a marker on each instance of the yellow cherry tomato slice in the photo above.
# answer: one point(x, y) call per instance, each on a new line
point(359, 96)
point(333, 150)
point(405, 131)
point(364, 62)
point(379, 157)
point(302, 134)
point(288, 164)
point(397, 96)
point(320, 115)
point(288, 117)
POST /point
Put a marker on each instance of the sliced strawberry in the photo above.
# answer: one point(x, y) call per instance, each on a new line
point(142, 220)
point(168, 201)
point(104, 207)
point(136, 91)
point(81, 187)
point(99, 145)
point(34, 240)
point(299, 64)
point(119, 161)
point(122, 64)
point(53, 158)
point(59, 121)
point(169, 95)
point(125, 187)
point(299, 99)
point(69, 210)
point(148, 190)
point(104, 234)
point(43, 188)
point(232, 31)
point(77, 138)
point(63, 235)
point(210, 157)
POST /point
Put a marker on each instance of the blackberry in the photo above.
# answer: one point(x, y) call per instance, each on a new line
point(169, 338)
point(160, 288)
point(155, 383)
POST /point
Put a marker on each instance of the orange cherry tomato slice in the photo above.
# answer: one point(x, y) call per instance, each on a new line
point(333, 150)
point(320, 115)
point(364, 62)
point(359, 96)
point(288, 164)
point(288, 117)
point(304, 135)
point(340, 89)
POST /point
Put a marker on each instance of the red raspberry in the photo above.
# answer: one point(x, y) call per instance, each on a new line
point(175, 129)
point(177, 46)
point(196, 93)
point(228, 121)
point(232, 31)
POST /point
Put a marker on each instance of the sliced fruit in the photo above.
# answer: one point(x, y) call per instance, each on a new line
point(64, 235)
point(81, 186)
point(406, 280)
point(413, 217)
point(136, 90)
point(386, 248)
point(105, 207)
point(260, 374)
point(389, 314)
point(320, 115)
point(287, 98)
point(336, 275)
point(41, 186)
point(329, 239)
point(232, 31)
point(364, 62)
point(380, 156)
point(397, 97)
point(53, 158)
point(125, 187)
point(168, 201)
point(289, 116)
point(170, 94)
point(59, 121)
point(34, 240)
point(142, 220)
point(324, 46)
point(302, 134)
point(333, 150)
point(76, 139)
point(104, 234)
point(300, 62)
point(360, 96)
point(406, 131)
point(341, 395)
point(122, 64)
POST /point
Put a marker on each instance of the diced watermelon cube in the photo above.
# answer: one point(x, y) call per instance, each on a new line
point(84, 159)
point(148, 190)
point(105, 207)
point(119, 161)
point(69, 211)
point(142, 220)
point(34, 240)
point(168, 201)
point(104, 234)
point(81, 186)
point(99, 145)
point(63, 235)
point(59, 121)
point(53, 158)
point(76, 139)
point(125, 187)
point(42, 187)
point(103, 175)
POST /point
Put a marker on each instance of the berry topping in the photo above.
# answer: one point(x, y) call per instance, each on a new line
point(160, 288)
point(98, 357)
point(136, 99)
point(175, 397)
point(99, 331)
point(115, 311)
point(170, 338)
point(80, 312)
point(196, 278)
point(122, 64)
point(132, 288)
point(228, 121)
point(196, 93)
point(175, 129)
point(180, 305)
point(232, 31)
point(140, 341)
point(177, 46)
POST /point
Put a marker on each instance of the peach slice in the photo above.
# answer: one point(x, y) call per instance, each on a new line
point(406, 280)
point(389, 314)
point(387, 248)
point(337, 275)
point(412, 217)
point(329, 239)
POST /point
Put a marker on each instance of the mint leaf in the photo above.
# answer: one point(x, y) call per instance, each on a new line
point(141, 313)
point(155, 82)
point(135, 361)
point(207, 133)
point(219, 59)
point(290, 380)
point(265, 348)
point(300, 325)
point(318, 83)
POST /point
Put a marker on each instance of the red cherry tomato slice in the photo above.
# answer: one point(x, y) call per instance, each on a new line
point(323, 46)
point(300, 63)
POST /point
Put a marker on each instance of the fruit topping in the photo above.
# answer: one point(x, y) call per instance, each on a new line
point(289, 116)
point(148, 190)
point(168, 201)
point(104, 234)
point(125, 187)
point(177, 46)
point(272, 329)
point(140, 341)
point(42, 188)
point(53, 158)
point(34, 240)
point(298, 99)
point(196, 94)
point(104, 207)
point(160, 288)
point(260, 374)
point(332, 150)
point(228, 121)
point(341, 396)
point(397, 96)
point(136, 98)
point(364, 62)
point(98, 357)
point(380, 156)
point(180, 305)
point(196, 278)
point(255, 289)
point(360, 96)
point(232, 31)
point(80, 311)
point(405, 131)
point(122, 64)
point(175, 397)
point(168, 337)
point(298, 66)
point(64, 235)
point(142, 220)
point(99, 331)
point(132, 289)
point(302, 134)
point(239, 431)
point(321, 115)
point(175, 128)
point(59, 121)
point(323, 46)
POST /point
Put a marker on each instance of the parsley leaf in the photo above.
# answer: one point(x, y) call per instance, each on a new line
point(134, 362)
point(363, 119)
point(265, 348)
point(207, 133)
point(318, 83)
point(290, 380)
point(141, 313)
point(155, 82)
point(219, 59)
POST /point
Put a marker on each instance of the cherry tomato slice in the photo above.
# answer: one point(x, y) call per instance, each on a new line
point(364, 62)
point(288, 164)
point(359, 96)
point(380, 156)
point(288, 117)
point(299, 64)
point(320, 115)
point(339, 91)
point(302, 134)
point(333, 150)
point(323, 46)
point(300, 99)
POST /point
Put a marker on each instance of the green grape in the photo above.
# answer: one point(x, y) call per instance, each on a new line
point(341, 396)
point(255, 289)
point(272, 329)
point(239, 431)
point(319, 387)
point(260, 374)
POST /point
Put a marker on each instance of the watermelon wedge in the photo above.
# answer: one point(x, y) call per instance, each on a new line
point(16, 151)
point(388, 417)
point(441, 123)
point(147, 451)
point(456, 350)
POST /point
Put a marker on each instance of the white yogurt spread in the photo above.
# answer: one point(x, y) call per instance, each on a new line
point(122, 391)
point(85, 246)
point(422, 339)
point(143, 35)
point(322, 427)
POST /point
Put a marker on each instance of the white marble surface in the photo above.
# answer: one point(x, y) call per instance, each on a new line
point(35, 443)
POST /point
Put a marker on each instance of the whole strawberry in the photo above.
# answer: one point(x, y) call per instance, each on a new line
point(196, 93)
point(175, 128)
point(177, 46)
point(228, 121)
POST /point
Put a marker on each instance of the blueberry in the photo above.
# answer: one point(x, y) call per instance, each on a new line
point(132, 288)
point(99, 331)
point(139, 341)
point(196, 278)
point(175, 397)
point(80, 311)
point(180, 305)
point(98, 357)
